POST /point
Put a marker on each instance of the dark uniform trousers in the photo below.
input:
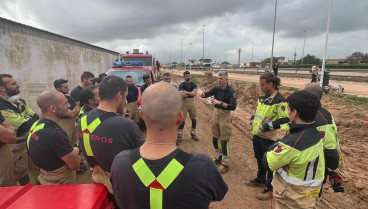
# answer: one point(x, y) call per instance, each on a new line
point(260, 146)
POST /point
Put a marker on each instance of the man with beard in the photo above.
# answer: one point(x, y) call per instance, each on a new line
point(188, 90)
point(67, 122)
point(91, 99)
point(21, 117)
point(132, 98)
point(224, 102)
point(8, 136)
point(147, 82)
point(103, 133)
point(48, 145)
point(86, 80)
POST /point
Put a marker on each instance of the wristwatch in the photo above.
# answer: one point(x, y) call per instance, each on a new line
point(221, 103)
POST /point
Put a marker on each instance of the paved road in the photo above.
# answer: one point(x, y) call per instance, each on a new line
point(352, 88)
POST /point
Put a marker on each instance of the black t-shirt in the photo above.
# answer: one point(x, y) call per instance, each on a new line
point(195, 187)
point(189, 87)
point(111, 137)
point(132, 94)
point(75, 94)
point(2, 119)
point(48, 145)
point(71, 101)
point(143, 88)
point(226, 95)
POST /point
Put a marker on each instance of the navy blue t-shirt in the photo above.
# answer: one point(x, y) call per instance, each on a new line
point(189, 87)
point(75, 94)
point(112, 136)
point(195, 187)
point(132, 94)
point(2, 119)
point(48, 145)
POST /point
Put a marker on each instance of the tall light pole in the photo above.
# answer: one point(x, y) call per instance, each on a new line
point(324, 54)
point(181, 51)
point(203, 45)
point(273, 36)
point(190, 57)
point(252, 52)
point(305, 36)
point(225, 54)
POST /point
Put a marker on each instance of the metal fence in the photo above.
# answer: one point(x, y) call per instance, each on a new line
point(12, 26)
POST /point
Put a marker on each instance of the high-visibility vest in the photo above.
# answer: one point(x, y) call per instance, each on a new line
point(158, 185)
point(34, 128)
point(88, 129)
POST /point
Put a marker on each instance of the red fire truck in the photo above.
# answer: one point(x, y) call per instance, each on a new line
point(148, 60)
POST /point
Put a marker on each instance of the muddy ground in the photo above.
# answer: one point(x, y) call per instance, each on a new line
point(353, 135)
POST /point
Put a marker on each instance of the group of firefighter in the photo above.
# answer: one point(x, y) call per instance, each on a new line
point(103, 114)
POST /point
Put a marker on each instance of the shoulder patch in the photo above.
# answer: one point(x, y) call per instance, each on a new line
point(8, 113)
point(278, 149)
point(283, 108)
point(322, 134)
point(234, 95)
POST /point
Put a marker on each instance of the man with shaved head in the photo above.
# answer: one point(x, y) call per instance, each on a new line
point(48, 145)
point(158, 174)
point(325, 124)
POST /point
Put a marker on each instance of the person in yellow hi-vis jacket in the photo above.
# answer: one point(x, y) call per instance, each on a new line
point(21, 117)
point(298, 159)
point(271, 113)
point(325, 124)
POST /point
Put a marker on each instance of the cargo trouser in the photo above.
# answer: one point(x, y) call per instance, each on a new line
point(286, 195)
point(102, 177)
point(69, 126)
point(62, 175)
point(6, 167)
point(221, 130)
point(132, 108)
point(221, 124)
point(20, 160)
point(188, 107)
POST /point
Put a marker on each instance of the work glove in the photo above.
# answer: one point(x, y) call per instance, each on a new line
point(264, 128)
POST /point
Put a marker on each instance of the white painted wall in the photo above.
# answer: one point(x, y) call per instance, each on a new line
point(35, 60)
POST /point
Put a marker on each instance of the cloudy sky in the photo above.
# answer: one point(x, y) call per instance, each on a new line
point(169, 27)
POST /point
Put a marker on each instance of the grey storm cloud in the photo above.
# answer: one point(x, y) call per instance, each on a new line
point(233, 24)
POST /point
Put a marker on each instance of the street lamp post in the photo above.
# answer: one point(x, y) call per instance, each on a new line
point(305, 36)
point(190, 57)
point(181, 51)
point(273, 36)
point(203, 45)
point(324, 55)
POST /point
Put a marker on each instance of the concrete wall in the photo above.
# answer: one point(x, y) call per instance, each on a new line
point(36, 62)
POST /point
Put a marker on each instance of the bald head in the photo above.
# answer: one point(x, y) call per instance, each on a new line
point(47, 98)
point(313, 88)
point(161, 104)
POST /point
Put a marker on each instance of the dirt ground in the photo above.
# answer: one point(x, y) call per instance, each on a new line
point(352, 131)
point(353, 137)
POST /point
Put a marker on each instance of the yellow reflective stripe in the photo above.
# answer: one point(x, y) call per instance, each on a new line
point(91, 127)
point(155, 198)
point(219, 143)
point(81, 111)
point(143, 172)
point(33, 130)
point(168, 175)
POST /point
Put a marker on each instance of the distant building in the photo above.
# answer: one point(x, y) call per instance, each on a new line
point(336, 61)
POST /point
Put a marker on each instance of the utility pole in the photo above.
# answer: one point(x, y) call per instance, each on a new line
point(305, 36)
point(190, 57)
point(203, 45)
point(239, 52)
point(295, 57)
point(324, 54)
point(273, 36)
point(181, 51)
point(170, 55)
point(225, 55)
point(252, 52)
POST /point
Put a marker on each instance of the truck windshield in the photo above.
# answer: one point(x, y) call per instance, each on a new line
point(147, 60)
point(136, 74)
point(207, 60)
